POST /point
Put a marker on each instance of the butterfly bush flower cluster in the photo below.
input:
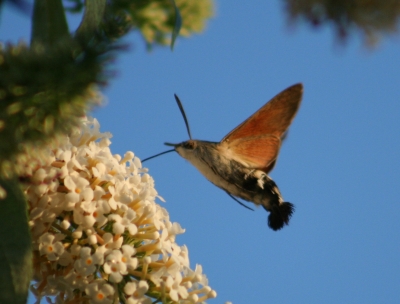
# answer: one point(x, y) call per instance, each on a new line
point(98, 235)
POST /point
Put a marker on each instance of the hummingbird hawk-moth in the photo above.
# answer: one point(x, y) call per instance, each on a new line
point(239, 164)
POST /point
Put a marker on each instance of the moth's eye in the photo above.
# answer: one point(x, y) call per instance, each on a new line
point(190, 145)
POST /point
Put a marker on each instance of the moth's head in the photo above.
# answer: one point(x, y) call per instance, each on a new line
point(184, 149)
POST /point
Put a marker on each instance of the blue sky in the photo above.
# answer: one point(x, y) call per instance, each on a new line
point(339, 165)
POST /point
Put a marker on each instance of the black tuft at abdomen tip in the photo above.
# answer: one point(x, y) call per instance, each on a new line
point(280, 216)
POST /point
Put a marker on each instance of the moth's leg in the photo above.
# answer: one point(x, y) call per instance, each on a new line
point(236, 200)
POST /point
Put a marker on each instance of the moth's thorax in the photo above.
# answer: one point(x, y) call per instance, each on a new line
point(219, 167)
point(197, 151)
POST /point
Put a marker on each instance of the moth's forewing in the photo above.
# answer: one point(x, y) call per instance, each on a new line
point(273, 118)
point(257, 140)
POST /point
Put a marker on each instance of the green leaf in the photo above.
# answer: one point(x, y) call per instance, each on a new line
point(49, 24)
point(15, 245)
point(177, 25)
point(37, 106)
point(94, 11)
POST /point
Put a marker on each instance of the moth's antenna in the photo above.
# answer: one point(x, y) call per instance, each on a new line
point(183, 114)
point(165, 152)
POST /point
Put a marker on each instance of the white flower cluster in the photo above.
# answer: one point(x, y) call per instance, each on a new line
point(98, 235)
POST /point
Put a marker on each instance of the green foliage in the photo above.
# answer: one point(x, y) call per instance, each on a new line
point(177, 25)
point(45, 88)
point(42, 93)
point(15, 244)
point(49, 22)
point(156, 19)
point(372, 18)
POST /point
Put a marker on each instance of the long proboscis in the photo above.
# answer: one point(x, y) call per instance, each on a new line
point(178, 101)
point(165, 152)
point(183, 114)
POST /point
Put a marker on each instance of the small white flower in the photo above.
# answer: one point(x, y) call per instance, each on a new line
point(136, 292)
point(122, 223)
point(65, 259)
point(75, 280)
point(86, 265)
point(99, 292)
point(92, 239)
point(127, 157)
point(77, 234)
point(127, 252)
point(87, 194)
point(110, 243)
point(39, 175)
point(175, 229)
point(49, 246)
point(75, 249)
point(70, 201)
point(177, 291)
point(76, 183)
point(115, 267)
point(65, 224)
